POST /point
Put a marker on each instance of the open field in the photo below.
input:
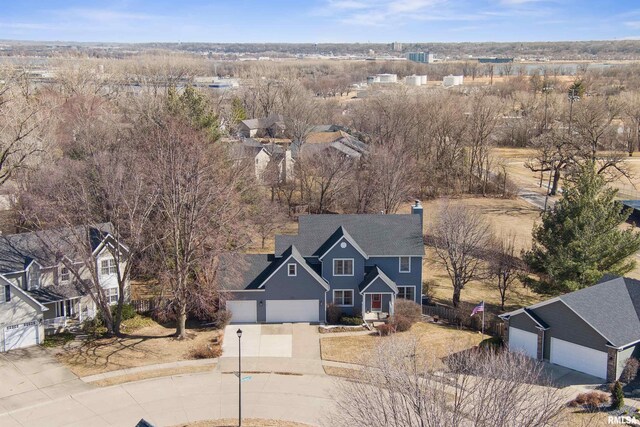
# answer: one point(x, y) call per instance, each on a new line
point(147, 346)
point(436, 341)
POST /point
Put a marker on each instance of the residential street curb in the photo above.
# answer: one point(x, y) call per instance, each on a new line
point(147, 368)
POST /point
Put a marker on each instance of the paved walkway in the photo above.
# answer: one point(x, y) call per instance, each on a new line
point(185, 398)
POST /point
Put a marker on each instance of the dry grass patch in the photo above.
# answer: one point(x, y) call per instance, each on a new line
point(148, 346)
point(335, 371)
point(249, 422)
point(156, 373)
point(435, 340)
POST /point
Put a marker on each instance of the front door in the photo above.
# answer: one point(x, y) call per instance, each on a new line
point(376, 302)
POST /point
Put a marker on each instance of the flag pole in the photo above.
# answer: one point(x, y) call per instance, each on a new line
point(483, 319)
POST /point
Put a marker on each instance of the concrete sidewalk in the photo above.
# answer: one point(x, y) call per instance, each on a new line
point(186, 398)
point(147, 368)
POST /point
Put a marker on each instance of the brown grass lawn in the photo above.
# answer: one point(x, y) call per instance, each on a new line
point(127, 378)
point(249, 422)
point(146, 346)
point(437, 341)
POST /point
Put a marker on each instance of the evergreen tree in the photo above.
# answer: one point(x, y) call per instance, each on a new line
point(581, 239)
point(194, 106)
point(617, 396)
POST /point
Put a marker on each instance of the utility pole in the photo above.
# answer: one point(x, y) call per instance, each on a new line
point(546, 90)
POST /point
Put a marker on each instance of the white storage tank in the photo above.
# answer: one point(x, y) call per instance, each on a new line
point(451, 80)
point(413, 80)
point(423, 80)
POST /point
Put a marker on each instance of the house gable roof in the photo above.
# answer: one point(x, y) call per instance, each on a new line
point(339, 235)
point(376, 234)
point(17, 251)
point(372, 276)
point(24, 294)
point(293, 253)
point(611, 308)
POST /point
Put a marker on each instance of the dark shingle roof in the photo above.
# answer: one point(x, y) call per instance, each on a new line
point(46, 247)
point(611, 307)
point(55, 293)
point(249, 271)
point(388, 235)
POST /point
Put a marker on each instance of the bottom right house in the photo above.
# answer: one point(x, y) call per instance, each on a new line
point(594, 330)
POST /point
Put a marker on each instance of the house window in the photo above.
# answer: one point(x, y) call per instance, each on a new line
point(34, 278)
point(112, 295)
point(343, 298)
point(108, 267)
point(7, 293)
point(407, 292)
point(405, 264)
point(292, 269)
point(64, 274)
point(343, 267)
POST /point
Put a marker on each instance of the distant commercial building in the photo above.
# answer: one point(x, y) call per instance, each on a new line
point(415, 80)
point(451, 80)
point(495, 60)
point(422, 57)
point(396, 47)
point(382, 78)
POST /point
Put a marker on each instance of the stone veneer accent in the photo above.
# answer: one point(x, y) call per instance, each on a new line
point(612, 364)
point(540, 353)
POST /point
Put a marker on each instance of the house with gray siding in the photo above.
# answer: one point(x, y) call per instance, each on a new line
point(360, 263)
point(592, 330)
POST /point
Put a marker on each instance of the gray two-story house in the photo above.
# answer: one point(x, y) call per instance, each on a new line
point(360, 263)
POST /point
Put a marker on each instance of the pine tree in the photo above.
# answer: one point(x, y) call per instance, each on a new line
point(195, 107)
point(617, 396)
point(581, 239)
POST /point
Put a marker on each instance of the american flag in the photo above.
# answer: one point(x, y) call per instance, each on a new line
point(478, 309)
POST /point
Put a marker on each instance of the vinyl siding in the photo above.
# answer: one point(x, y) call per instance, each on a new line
point(280, 286)
point(565, 325)
point(623, 356)
point(524, 322)
point(391, 267)
point(344, 282)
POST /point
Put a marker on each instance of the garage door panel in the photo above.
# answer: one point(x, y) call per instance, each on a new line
point(293, 311)
point(523, 342)
point(21, 335)
point(579, 358)
point(243, 311)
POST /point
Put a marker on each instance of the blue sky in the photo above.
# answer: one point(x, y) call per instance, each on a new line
point(319, 20)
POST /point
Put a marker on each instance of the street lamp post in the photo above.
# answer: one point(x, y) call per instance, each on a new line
point(239, 333)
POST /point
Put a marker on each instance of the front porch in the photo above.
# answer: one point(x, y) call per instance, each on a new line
point(63, 314)
point(377, 306)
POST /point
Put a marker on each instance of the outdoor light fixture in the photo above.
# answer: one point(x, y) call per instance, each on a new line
point(239, 334)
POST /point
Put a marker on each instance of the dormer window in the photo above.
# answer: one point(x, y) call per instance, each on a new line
point(108, 267)
point(405, 264)
point(34, 278)
point(64, 274)
point(292, 269)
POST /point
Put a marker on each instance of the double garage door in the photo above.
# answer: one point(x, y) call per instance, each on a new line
point(278, 311)
point(563, 353)
point(20, 336)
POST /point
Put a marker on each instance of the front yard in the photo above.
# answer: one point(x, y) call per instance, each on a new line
point(435, 340)
point(149, 345)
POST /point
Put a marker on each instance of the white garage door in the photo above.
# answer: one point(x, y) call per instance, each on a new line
point(293, 310)
point(574, 356)
point(523, 341)
point(21, 335)
point(243, 311)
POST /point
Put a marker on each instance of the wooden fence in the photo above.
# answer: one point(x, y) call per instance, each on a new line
point(462, 318)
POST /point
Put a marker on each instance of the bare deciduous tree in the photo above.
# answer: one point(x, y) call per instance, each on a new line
point(504, 265)
point(459, 234)
point(400, 387)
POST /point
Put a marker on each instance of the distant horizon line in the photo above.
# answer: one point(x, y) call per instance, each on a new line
point(630, 39)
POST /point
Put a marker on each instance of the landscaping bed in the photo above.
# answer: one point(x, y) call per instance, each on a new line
point(340, 328)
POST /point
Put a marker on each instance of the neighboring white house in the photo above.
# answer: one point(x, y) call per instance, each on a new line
point(21, 318)
point(261, 156)
point(43, 289)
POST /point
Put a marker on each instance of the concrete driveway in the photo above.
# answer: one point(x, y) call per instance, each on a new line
point(284, 348)
point(563, 377)
point(32, 375)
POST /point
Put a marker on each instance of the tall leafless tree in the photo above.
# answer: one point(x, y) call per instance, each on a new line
point(458, 237)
